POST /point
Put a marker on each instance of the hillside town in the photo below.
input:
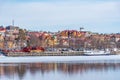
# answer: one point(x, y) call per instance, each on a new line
point(13, 38)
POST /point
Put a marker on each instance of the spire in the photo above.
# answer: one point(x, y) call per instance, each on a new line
point(13, 22)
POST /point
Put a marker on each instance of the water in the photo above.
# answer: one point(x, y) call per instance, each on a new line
point(60, 71)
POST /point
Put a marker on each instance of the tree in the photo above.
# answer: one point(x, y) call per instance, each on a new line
point(34, 41)
point(22, 35)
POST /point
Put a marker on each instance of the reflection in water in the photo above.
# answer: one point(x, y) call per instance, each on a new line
point(24, 71)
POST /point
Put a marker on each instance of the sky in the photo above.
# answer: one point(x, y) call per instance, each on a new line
point(102, 16)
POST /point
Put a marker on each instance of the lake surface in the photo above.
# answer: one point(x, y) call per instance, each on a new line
point(60, 71)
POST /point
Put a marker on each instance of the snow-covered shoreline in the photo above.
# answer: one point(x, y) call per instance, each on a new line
point(62, 59)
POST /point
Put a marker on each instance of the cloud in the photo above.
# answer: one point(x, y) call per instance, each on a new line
point(63, 13)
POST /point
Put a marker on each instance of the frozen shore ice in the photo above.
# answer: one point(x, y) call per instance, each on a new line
point(50, 59)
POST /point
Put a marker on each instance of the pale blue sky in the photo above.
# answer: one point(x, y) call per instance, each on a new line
point(101, 16)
